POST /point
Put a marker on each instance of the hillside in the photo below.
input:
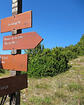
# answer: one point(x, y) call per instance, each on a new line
point(64, 89)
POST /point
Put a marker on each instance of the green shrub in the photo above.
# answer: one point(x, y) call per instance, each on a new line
point(47, 63)
point(50, 62)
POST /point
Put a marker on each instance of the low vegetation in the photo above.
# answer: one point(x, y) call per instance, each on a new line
point(43, 62)
point(64, 89)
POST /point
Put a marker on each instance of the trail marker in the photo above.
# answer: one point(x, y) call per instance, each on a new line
point(20, 21)
point(12, 84)
point(21, 41)
point(14, 62)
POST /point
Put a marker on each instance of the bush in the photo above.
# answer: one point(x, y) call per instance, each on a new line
point(50, 62)
point(47, 63)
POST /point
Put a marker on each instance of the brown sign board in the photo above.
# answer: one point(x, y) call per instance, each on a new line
point(21, 41)
point(12, 84)
point(14, 62)
point(20, 21)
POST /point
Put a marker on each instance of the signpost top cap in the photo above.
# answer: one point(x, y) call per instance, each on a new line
point(14, 1)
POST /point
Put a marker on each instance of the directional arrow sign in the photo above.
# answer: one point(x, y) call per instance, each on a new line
point(21, 41)
point(20, 21)
point(14, 62)
point(12, 84)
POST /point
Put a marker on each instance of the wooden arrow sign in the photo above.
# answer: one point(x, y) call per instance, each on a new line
point(14, 62)
point(20, 21)
point(21, 41)
point(13, 84)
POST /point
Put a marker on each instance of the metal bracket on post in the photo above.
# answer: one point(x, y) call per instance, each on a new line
point(14, 52)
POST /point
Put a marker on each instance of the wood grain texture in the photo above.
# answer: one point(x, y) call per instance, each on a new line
point(12, 84)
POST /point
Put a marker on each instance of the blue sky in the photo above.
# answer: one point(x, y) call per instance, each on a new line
point(59, 22)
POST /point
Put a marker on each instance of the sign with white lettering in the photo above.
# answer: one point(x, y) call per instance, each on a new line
point(13, 84)
point(21, 41)
point(14, 62)
point(20, 21)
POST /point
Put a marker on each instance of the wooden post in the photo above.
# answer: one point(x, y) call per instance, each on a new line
point(16, 9)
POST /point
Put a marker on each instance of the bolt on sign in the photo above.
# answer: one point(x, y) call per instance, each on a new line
point(14, 62)
point(20, 21)
point(21, 41)
point(12, 84)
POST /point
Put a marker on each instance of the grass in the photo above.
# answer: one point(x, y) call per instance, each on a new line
point(4, 73)
point(42, 86)
point(42, 101)
point(75, 87)
point(64, 89)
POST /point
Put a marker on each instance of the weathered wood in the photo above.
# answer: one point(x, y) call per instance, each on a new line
point(15, 97)
point(12, 84)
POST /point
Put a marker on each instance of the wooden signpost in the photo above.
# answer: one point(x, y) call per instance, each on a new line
point(21, 41)
point(15, 97)
point(16, 22)
point(16, 62)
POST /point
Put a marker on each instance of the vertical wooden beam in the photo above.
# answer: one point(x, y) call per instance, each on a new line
point(16, 9)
